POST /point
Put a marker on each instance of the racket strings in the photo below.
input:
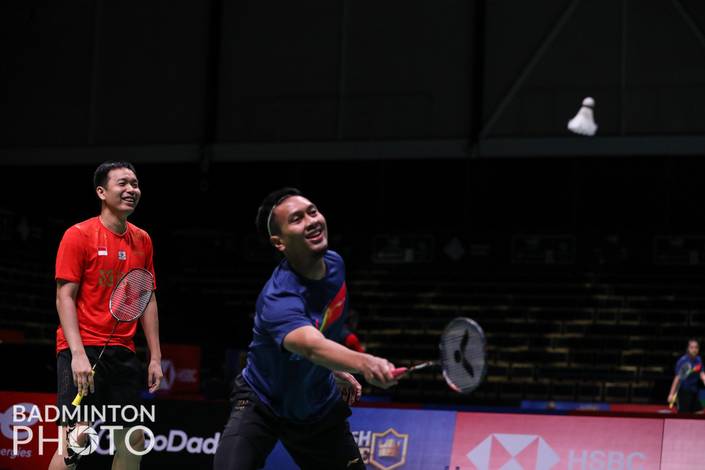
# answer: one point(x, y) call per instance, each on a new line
point(463, 354)
point(131, 295)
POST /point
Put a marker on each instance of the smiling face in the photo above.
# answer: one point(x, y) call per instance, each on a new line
point(301, 230)
point(121, 193)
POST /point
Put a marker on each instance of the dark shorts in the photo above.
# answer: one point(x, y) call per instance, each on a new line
point(688, 401)
point(119, 380)
point(253, 430)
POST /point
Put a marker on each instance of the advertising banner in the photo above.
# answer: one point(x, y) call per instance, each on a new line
point(22, 417)
point(490, 441)
point(393, 439)
point(181, 365)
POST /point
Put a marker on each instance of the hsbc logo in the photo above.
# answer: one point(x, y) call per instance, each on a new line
point(532, 452)
point(513, 452)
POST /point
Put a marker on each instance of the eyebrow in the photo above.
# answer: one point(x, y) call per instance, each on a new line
point(299, 211)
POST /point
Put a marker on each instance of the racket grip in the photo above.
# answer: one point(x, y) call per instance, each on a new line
point(77, 401)
point(399, 371)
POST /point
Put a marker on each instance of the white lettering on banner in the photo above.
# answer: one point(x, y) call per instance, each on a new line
point(173, 435)
point(363, 438)
point(178, 441)
point(23, 453)
point(605, 460)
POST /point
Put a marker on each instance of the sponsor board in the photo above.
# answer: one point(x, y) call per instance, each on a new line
point(25, 456)
point(181, 364)
point(391, 439)
point(487, 441)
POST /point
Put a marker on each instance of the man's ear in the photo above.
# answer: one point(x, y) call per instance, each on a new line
point(100, 191)
point(277, 243)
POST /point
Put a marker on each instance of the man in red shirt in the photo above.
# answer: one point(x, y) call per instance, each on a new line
point(92, 257)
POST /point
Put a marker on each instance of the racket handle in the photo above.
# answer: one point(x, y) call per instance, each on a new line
point(77, 401)
point(79, 396)
point(399, 371)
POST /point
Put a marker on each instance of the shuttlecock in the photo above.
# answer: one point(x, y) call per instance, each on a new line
point(584, 122)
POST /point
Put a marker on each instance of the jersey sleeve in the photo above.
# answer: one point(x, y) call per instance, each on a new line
point(282, 315)
point(679, 364)
point(70, 258)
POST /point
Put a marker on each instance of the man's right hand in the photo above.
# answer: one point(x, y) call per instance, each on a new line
point(378, 371)
point(82, 373)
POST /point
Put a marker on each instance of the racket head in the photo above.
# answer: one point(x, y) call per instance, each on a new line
point(685, 370)
point(131, 295)
point(463, 357)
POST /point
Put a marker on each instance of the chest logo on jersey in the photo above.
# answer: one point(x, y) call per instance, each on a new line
point(106, 278)
point(102, 251)
point(335, 308)
point(122, 255)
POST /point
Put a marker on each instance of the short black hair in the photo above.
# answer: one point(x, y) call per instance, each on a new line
point(263, 221)
point(693, 340)
point(100, 177)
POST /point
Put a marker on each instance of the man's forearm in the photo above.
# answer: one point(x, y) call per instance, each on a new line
point(674, 386)
point(150, 326)
point(334, 356)
point(66, 307)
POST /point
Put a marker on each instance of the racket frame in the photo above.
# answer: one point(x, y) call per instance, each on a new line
point(79, 396)
point(404, 371)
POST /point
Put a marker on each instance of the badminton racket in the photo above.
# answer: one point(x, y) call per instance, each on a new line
point(128, 302)
point(462, 356)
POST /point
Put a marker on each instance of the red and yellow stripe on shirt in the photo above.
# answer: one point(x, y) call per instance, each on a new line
point(335, 308)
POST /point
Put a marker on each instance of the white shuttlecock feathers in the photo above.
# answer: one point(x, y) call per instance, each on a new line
point(584, 122)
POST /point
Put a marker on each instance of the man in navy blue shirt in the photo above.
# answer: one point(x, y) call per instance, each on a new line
point(689, 371)
point(290, 389)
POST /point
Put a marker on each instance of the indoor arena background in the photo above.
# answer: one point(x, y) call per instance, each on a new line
point(433, 137)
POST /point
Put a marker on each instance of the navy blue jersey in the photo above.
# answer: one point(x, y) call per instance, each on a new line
point(293, 387)
point(691, 382)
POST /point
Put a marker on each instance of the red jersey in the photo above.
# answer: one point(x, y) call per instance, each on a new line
point(96, 259)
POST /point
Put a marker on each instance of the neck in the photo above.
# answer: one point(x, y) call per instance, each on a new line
point(116, 223)
point(310, 268)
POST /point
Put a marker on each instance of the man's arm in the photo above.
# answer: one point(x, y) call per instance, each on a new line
point(310, 343)
point(150, 326)
point(674, 388)
point(66, 307)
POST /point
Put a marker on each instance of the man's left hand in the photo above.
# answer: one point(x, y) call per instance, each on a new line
point(154, 375)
